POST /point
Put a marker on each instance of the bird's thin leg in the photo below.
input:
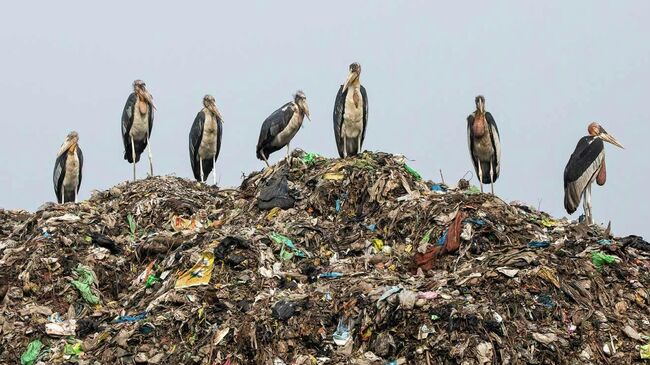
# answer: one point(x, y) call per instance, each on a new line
point(150, 156)
point(201, 168)
point(265, 160)
point(480, 175)
point(345, 147)
point(588, 199)
point(288, 154)
point(133, 156)
point(584, 206)
point(214, 169)
point(491, 178)
point(63, 196)
point(359, 145)
point(75, 196)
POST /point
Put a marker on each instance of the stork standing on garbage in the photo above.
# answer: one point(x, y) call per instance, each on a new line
point(586, 164)
point(351, 114)
point(484, 144)
point(281, 126)
point(67, 169)
point(137, 122)
point(205, 140)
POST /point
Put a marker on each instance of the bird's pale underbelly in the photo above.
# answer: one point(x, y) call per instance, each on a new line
point(71, 178)
point(287, 134)
point(483, 148)
point(208, 147)
point(353, 116)
point(140, 126)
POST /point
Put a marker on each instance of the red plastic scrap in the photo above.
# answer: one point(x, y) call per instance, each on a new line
point(452, 243)
point(453, 237)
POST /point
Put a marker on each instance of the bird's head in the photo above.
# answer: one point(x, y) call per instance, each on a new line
point(301, 100)
point(70, 143)
point(140, 89)
point(211, 105)
point(353, 75)
point(480, 103)
point(594, 129)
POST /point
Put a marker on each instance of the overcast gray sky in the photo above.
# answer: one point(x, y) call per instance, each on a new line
point(547, 68)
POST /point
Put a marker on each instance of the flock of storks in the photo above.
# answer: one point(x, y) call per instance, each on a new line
point(586, 164)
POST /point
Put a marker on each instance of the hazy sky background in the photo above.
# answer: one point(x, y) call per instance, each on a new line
point(547, 68)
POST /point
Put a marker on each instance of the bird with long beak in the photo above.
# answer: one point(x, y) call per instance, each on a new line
point(484, 144)
point(281, 126)
point(205, 140)
point(586, 165)
point(351, 114)
point(67, 169)
point(137, 122)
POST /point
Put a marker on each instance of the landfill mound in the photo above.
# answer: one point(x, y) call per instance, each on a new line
point(320, 261)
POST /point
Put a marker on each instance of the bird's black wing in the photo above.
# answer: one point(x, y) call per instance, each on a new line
point(219, 134)
point(59, 174)
point(470, 143)
point(364, 95)
point(496, 145)
point(127, 122)
point(581, 170)
point(150, 118)
point(273, 125)
point(339, 111)
point(196, 133)
point(80, 156)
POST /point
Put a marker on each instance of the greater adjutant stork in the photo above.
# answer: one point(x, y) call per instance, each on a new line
point(351, 114)
point(586, 164)
point(137, 121)
point(67, 169)
point(205, 140)
point(484, 144)
point(281, 126)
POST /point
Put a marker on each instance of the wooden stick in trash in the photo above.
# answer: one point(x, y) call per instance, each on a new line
point(442, 178)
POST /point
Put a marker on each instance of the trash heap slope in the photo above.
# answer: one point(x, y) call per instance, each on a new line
point(324, 261)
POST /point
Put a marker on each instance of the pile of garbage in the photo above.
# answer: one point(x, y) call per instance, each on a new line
point(317, 261)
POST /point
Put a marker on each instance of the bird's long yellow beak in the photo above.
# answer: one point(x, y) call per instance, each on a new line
point(69, 143)
point(149, 98)
point(609, 138)
point(213, 109)
point(351, 77)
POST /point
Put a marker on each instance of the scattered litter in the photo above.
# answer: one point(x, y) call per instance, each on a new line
point(539, 244)
point(31, 353)
point(330, 275)
point(139, 317)
point(199, 274)
point(64, 328)
point(85, 282)
point(169, 271)
point(342, 335)
point(599, 259)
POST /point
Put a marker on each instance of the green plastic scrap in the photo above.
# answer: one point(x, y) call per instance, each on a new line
point(599, 258)
point(473, 190)
point(411, 171)
point(547, 222)
point(73, 349)
point(427, 237)
point(132, 225)
point(644, 351)
point(31, 354)
point(286, 254)
point(310, 158)
point(151, 280)
point(86, 279)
